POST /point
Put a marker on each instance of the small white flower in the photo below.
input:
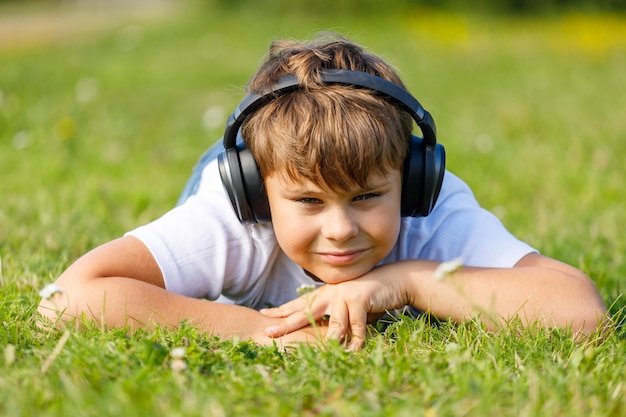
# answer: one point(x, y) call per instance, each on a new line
point(178, 353)
point(9, 354)
point(305, 288)
point(213, 117)
point(21, 140)
point(49, 290)
point(447, 268)
point(86, 90)
point(178, 365)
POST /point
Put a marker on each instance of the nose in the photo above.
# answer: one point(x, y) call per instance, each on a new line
point(339, 224)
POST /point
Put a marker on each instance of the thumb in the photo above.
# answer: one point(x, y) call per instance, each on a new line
point(273, 312)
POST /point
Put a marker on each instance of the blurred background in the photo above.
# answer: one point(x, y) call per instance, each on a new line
point(105, 107)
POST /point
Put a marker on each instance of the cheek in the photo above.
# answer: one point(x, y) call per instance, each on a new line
point(292, 233)
point(383, 226)
point(385, 231)
point(293, 240)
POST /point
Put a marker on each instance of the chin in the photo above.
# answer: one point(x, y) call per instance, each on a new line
point(337, 277)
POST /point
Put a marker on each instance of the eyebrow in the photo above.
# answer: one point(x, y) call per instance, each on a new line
point(298, 190)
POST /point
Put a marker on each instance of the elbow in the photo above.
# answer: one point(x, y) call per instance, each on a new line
point(54, 311)
point(589, 316)
point(588, 326)
point(67, 299)
point(62, 302)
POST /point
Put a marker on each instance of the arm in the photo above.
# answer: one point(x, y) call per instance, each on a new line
point(537, 290)
point(120, 284)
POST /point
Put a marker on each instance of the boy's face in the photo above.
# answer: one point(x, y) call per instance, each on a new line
point(336, 236)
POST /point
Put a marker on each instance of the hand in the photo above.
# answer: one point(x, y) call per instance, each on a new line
point(349, 305)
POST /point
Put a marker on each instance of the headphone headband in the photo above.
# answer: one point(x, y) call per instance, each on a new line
point(291, 83)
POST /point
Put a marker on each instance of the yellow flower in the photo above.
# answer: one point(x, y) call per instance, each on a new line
point(65, 128)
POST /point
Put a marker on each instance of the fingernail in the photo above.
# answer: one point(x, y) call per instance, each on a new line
point(353, 347)
point(272, 330)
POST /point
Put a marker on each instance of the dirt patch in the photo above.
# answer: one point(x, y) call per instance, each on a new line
point(23, 28)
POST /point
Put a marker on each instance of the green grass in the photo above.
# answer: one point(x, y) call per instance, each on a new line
point(531, 113)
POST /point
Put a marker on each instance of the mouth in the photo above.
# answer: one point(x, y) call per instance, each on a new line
point(339, 258)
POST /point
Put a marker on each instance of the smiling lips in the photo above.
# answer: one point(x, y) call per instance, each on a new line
point(341, 257)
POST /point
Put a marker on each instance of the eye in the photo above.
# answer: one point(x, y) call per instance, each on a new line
point(308, 200)
point(367, 196)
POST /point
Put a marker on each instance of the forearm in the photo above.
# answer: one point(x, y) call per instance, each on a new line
point(123, 302)
point(559, 296)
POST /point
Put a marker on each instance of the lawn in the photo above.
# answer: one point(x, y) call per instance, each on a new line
point(103, 114)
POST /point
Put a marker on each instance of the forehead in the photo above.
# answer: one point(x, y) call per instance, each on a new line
point(301, 184)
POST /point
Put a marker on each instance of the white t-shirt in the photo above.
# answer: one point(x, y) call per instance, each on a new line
point(205, 252)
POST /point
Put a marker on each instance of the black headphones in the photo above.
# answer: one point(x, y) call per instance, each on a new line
point(424, 166)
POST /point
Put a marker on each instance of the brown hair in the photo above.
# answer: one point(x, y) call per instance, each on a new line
point(335, 136)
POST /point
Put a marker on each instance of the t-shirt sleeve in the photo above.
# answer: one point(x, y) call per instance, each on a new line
point(459, 228)
point(202, 249)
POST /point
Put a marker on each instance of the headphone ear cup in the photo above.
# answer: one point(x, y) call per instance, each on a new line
point(230, 173)
point(423, 173)
point(254, 188)
point(244, 185)
point(413, 178)
point(439, 171)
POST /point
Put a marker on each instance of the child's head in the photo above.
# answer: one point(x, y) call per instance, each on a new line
point(333, 154)
point(335, 136)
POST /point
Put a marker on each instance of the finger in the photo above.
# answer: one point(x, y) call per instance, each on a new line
point(358, 327)
point(296, 314)
point(338, 321)
point(275, 312)
point(291, 323)
point(286, 309)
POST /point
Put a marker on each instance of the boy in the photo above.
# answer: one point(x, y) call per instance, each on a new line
point(320, 183)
